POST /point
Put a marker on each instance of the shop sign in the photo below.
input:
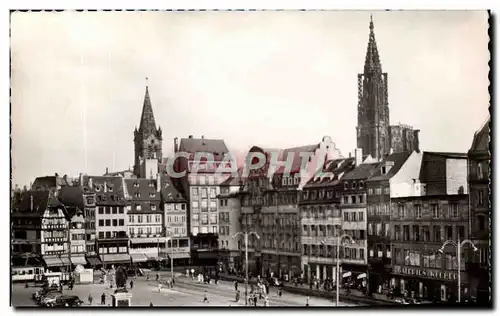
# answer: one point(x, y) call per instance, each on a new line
point(427, 273)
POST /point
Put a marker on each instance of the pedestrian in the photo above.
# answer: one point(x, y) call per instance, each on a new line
point(236, 285)
point(307, 301)
point(131, 284)
point(255, 300)
point(103, 299)
point(159, 287)
point(90, 299)
point(237, 296)
point(147, 277)
point(192, 273)
point(157, 277)
point(205, 298)
point(280, 291)
point(266, 301)
point(150, 304)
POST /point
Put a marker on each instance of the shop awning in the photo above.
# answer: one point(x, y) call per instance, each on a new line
point(119, 257)
point(65, 261)
point(347, 274)
point(362, 276)
point(76, 260)
point(138, 257)
point(53, 262)
point(94, 261)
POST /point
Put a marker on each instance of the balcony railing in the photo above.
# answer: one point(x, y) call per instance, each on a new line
point(54, 226)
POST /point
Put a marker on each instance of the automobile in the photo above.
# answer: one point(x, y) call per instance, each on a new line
point(66, 301)
point(50, 298)
point(44, 291)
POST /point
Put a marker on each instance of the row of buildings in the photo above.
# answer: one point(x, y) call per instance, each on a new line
point(397, 203)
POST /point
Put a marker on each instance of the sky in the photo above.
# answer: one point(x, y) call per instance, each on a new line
point(266, 78)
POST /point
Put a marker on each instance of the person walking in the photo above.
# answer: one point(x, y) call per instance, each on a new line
point(150, 304)
point(255, 300)
point(103, 299)
point(236, 285)
point(307, 301)
point(90, 299)
point(205, 298)
point(266, 301)
point(280, 291)
point(237, 296)
point(131, 284)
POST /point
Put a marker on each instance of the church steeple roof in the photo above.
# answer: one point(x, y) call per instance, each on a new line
point(147, 124)
point(372, 60)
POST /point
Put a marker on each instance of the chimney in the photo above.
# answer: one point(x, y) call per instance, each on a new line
point(31, 203)
point(176, 145)
point(190, 137)
point(358, 156)
point(202, 140)
point(107, 171)
point(90, 183)
point(349, 154)
point(80, 176)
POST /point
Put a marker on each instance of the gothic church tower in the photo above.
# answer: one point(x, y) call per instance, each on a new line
point(148, 139)
point(373, 106)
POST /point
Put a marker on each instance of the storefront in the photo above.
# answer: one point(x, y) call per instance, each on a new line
point(429, 284)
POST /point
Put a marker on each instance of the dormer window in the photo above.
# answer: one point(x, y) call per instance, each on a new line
point(296, 180)
point(151, 195)
point(153, 207)
point(97, 188)
point(138, 207)
point(305, 195)
point(151, 184)
point(384, 170)
point(354, 185)
point(137, 194)
point(136, 184)
point(290, 181)
point(361, 184)
point(283, 181)
point(109, 188)
point(346, 185)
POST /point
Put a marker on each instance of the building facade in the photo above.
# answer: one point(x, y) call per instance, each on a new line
point(321, 220)
point(378, 201)
point(480, 214)
point(427, 209)
point(112, 204)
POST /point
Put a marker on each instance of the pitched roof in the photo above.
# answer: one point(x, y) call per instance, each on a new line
point(397, 158)
point(426, 173)
point(169, 192)
point(363, 171)
point(198, 145)
point(71, 196)
point(41, 201)
point(101, 186)
point(332, 171)
point(297, 158)
point(143, 190)
point(481, 140)
point(233, 180)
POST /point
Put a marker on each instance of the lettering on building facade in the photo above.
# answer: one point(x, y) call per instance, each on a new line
point(426, 273)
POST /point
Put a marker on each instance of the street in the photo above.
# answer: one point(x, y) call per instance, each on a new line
point(186, 292)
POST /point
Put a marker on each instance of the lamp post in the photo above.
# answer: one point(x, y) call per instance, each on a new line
point(246, 234)
point(458, 245)
point(169, 238)
point(340, 239)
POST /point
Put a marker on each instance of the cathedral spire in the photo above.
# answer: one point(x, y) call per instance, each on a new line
point(372, 61)
point(147, 124)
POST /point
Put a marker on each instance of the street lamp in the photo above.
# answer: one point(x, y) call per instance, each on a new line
point(246, 234)
point(169, 238)
point(458, 245)
point(340, 239)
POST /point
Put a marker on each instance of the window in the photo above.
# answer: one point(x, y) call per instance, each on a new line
point(195, 231)
point(480, 197)
point(371, 253)
point(426, 233)
point(361, 216)
point(139, 218)
point(388, 251)
point(213, 218)
point(354, 185)
point(195, 192)
point(120, 209)
point(138, 207)
point(387, 191)
point(449, 232)
point(418, 211)
point(213, 206)
point(101, 222)
point(214, 229)
point(361, 199)
point(379, 229)
point(454, 210)
point(201, 179)
point(204, 205)
point(107, 210)
point(212, 192)
point(482, 223)
point(406, 233)
point(435, 210)
point(353, 199)
point(346, 216)
point(361, 184)
point(100, 209)
point(115, 222)
point(153, 207)
point(121, 222)
point(114, 209)
point(370, 229)
point(378, 191)
point(346, 185)
point(204, 192)
point(346, 199)
point(461, 232)
point(416, 233)
point(204, 219)
point(401, 210)
point(108, 222)
point(437, 233)
point(221, 202)
point(387, 229)
point(370, 191)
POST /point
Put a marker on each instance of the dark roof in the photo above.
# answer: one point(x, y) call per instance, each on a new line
point(397, 158)
point(233, 180)
point(429, 158)
point(104, 196)
point(73, 210)
point(284, 153)
point(71, 196)
point(445, 154)
point(144, 187)
point(481, 141)
point(41, 201)
point(196, 145)
point(169, 192)
point(332, 169)
point(363, 171)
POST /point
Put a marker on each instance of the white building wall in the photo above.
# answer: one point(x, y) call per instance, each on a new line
point(456, 176)
point(402, 184)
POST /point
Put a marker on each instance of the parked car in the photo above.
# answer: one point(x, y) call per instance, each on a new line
point(66, 301)
point(50, 298)
point(44, 291)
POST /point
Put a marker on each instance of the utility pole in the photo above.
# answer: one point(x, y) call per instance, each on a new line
point(245, 234)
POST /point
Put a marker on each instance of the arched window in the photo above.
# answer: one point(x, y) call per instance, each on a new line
point(479, 171)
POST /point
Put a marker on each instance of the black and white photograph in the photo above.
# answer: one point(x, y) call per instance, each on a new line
point(250, 158)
